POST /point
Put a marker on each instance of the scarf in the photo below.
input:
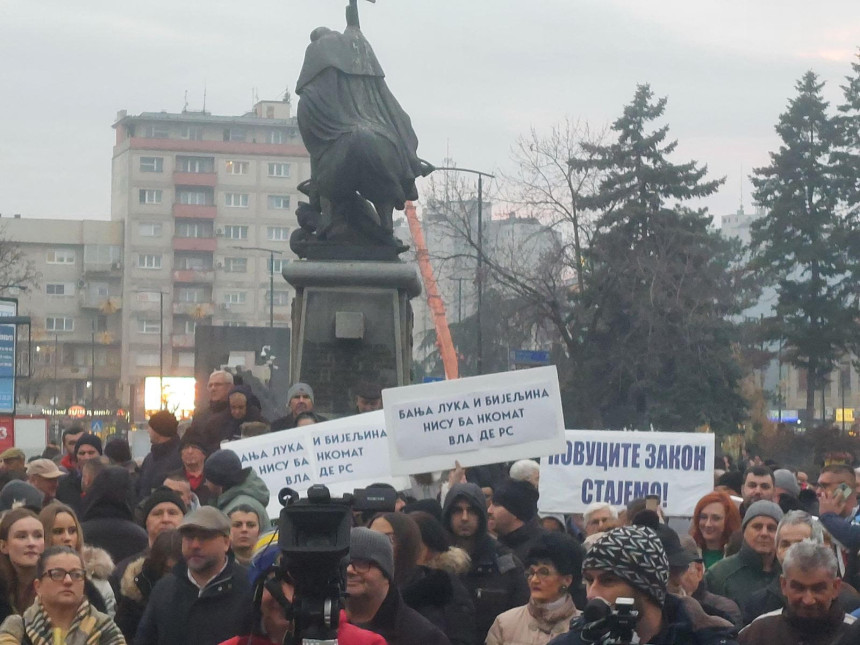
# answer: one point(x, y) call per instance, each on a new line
point(549, 614)
point(88, 627)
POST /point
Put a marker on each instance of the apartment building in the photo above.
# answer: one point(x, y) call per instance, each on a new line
point(208, 204)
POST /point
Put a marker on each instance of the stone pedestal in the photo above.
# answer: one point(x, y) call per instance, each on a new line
point(352, 322)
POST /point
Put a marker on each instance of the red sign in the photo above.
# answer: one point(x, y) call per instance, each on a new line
point(7, 433)
point(77, 411)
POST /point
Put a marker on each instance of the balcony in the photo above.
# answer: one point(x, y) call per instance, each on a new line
point(195, 178)
point(195, 211)
point(105, 304)
point(196, 310)
point(104, 269)
point(182, 341)
point(195, 243)
point(192, 275)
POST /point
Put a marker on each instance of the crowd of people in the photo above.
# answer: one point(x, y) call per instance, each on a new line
point(96, 548)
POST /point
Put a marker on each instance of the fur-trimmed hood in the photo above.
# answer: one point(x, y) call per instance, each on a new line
point(97, 562)
point(455, 560)
point(128, 585)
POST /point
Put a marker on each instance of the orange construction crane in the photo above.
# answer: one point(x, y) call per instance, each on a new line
point(434, 300)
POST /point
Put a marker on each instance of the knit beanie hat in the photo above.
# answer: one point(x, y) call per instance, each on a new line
point(223, 468)
point(785, 479)
point(365, 544)
point(193, 438)
point(89, 440)
point(159, 496)
point(300, 388)
point(762, 507)
point(518, 497)
point(634, 554)
point(164, 423)
point(20, 493)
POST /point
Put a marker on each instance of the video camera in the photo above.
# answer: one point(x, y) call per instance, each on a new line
point(313, 538)
point(606, 624)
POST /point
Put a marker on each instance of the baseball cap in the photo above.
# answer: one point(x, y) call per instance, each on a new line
point(44, 468)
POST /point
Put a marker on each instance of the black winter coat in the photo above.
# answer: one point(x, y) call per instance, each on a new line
point(69, 490)
point(106, 517)
point(399, 624)
point(442, 599)
point(163, 459)
point(207, 424)
point(178, 612)
point(523, 539)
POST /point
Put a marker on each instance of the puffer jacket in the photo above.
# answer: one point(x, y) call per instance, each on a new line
point(251, 491)
point(99, 567)
point(135, 586)
point(532, 624)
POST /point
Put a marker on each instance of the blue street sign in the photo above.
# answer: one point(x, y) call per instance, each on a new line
point(529, 357)
point(432, 379)
point(97, 425)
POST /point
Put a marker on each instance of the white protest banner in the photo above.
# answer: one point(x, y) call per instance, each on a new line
point(343, 454)
point(477, 420)
point(616, 467)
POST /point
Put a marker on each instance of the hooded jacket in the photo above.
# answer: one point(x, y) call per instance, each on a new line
point(106, 517)
point(251, 491)
point(231, 426)
point(495, 578)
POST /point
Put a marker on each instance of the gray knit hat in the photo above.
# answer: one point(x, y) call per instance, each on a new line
point(785, 479)
point(223, 468)
point(300, 388)
point(636, 555)
point(762, 507)
point(365, 544)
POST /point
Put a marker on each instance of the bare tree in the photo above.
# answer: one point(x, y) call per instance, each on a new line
point(17, 271)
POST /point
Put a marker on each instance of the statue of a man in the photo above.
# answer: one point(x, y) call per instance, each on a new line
point(361, 142)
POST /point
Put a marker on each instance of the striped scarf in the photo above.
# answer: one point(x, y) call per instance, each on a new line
point(88, 628)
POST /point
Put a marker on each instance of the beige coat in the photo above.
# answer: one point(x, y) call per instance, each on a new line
point(518, 626)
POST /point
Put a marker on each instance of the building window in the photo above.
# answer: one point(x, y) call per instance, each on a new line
point(150, 196)
point(146, 326)
point(102, 253)
point(60, 256)
point(279, 202)
point(149, 260)
point(190, 326)
point(149, 229)
point(60, 289)
point(194, 229)
point(278, 136)
point(235, 323)
point(281, 299)
point(191, 133)
point(195, 164)
point(277, 233)
point(151, 164)
point(234, 298)
point(236, 265)
point(236, 232)
point(236, 200)
point(194, 197)
point(202, 262)
point(237, 167)
point(234, 134)
point(59, 323)
point(279, 170)
point(147, 359)
point(191, 294)
point(156, 132)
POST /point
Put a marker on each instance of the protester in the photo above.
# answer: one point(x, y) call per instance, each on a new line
point(598, 518)
point(812, 613)
point(70, 489)
point(206, 599)
point(374, 602)
point(837, 504)
point(209, 419)
point(715, 519)
point(758, 485)
point(140, 576)
point(300, 398)
point(182, 487)
point(44, 475)
point(107, 517)
point(554, 568)
point(435, 594)
point(193, 454)
point(70, 440)
point(19, 493)
point(786, 490)
point(527, 470)
point(368, 397)
point(495, 579)
point(630, 562)
point(13, 464)
point(163, 457)
point(61, 612)
point(693, 584)
point(232, 486)
point(514, 513)
point(244, 532)
point(244, 408)
point(22, 540)
point(755, 566)
point(62, 528)
point(553, 522)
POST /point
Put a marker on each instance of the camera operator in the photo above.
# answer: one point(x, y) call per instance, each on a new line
point(373, 600)
point(630, 562)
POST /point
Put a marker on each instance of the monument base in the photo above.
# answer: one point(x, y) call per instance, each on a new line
point(352, 322)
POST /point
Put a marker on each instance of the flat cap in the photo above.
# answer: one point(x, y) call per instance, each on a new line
point(12, 453)
point(206, 518)
point(44, 468)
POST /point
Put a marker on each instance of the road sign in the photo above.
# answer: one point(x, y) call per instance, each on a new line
point(529, 357)
point(97, 425)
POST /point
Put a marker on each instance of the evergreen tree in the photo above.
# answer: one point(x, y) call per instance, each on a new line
point(803, 244)
point(653, 321)
point(847, 153)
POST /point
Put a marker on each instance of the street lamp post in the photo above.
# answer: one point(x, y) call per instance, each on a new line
point(479, 278)
point(271, 253)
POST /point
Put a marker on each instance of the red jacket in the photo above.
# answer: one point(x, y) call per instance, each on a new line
point(346, 635)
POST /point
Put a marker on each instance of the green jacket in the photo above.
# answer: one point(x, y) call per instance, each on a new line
point(739, 576)
point(251, 491)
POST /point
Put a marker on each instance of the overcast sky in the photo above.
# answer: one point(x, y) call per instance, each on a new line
point(473, 75)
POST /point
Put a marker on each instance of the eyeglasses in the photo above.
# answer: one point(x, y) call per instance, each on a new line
point(541, 573)
point(362, 566)
point(58, 575)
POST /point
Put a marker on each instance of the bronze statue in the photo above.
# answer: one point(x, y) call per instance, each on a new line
point(363, 149)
